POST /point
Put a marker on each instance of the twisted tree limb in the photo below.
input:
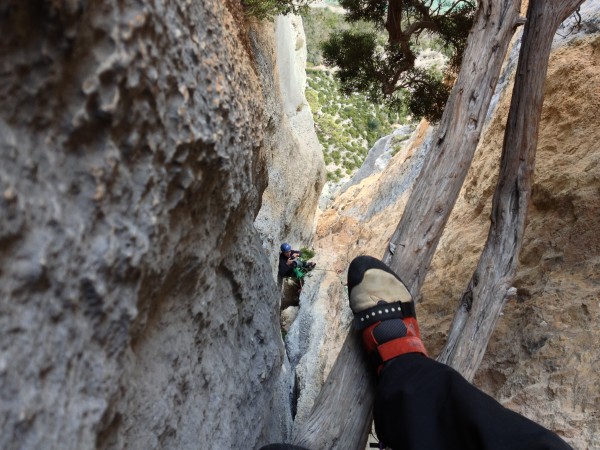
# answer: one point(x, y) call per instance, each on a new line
point(438, 185)
point(486, 293)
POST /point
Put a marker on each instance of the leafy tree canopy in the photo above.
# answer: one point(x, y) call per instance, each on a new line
point(380, 61)
point(267, 9)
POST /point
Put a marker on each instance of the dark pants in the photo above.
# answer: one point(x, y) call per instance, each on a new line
point(425, 405)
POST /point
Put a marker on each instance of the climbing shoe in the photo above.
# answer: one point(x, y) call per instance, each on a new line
point(384, 311)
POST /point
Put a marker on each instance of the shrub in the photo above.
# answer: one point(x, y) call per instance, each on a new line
point(307, 253)
point(373, 124)
point(267, 9)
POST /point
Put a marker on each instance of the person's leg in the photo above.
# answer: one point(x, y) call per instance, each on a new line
point(423, 404)
point(420, 403)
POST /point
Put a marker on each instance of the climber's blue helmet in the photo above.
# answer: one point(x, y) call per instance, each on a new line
point(285, 247)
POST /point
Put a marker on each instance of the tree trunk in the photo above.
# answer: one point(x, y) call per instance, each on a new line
point(414, 242)
point(341, 416)
point(348, 391)
point(485, 296)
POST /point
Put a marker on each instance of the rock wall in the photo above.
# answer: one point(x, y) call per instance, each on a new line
point(541, 360)
point(137, 303)
point(296, 171)
point(295, 158)
point(379, 156)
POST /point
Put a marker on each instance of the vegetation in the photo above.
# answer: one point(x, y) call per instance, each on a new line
point(307, 253)
point(379, 60)
point(396, 143)
point(350, 113)
point(267, 9)
point(347, 125)
point(318, 24)
point(375, 48)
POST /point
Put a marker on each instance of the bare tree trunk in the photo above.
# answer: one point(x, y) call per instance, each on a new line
point(341, 416)
point(348, 389)
point(485, 296)
point(413, 244)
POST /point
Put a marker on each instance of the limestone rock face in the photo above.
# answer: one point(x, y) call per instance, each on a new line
point(137, 304)
point(296, 169)
point(542, 360)
point(379, 156)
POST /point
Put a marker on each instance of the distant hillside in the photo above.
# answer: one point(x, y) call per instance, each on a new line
point(349, 125)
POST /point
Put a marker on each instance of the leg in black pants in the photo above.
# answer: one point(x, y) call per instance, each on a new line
point(421, 404)
point(425, 405)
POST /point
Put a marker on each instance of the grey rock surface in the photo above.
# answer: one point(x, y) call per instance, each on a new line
point(294, 156)
point(584, 22)
point(379, 155)
point(137, 304)
point(394, 187)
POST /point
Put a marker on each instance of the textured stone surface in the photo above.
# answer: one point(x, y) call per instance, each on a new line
point(380, 154)
point(541, 360)
point(296, 173)
point(137, 304)
point(293, 152)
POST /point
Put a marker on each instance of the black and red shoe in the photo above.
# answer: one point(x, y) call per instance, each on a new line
point(383, 310)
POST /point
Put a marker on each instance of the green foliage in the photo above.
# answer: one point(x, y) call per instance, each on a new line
point(428, 97)
point(371, 10)
point(353, 53)
point(312, 98)
point(267, 9)
point(397, 143)
point(347, 125)
point(307, 253)
point(378, 60)
point(373, 124)
point(454, 30)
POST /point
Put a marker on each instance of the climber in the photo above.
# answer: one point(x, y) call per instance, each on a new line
point(421, 404)
point(289, 260)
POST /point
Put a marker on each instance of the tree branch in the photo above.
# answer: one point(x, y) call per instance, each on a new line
point(490, 284)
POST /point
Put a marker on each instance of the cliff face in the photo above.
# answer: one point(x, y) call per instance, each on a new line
point(138, 307)
point(541, 360)
point(143, 144)
point(296, 169)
